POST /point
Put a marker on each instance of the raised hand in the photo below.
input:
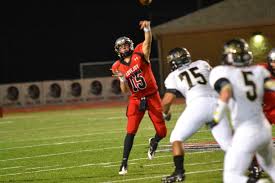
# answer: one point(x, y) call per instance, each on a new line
point(144, 24)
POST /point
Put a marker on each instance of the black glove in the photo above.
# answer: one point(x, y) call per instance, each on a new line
point(167, 117)
point(211, 124)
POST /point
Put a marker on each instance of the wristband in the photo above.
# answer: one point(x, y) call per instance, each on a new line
point(122, 79)
point(146, 29)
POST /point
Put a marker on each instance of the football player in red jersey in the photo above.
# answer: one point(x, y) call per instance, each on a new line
point(133, 69)
point(269, 96)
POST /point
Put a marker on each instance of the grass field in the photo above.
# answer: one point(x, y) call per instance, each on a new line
point(86, 145)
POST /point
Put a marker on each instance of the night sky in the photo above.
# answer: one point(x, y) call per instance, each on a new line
point(47, 40)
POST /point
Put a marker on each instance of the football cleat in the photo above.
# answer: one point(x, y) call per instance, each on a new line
point(175, 177)
point(255, 172)
point(152, 149)
point(263, 181)
point(123, 169)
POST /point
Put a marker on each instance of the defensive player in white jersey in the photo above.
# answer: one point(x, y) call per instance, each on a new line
point(191, 80)
point(241, 87)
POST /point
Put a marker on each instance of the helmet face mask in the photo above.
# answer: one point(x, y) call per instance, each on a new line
point(124, 41)
point(236, 52)
point(178, 57)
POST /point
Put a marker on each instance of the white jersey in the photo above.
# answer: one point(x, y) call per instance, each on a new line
point(248, 89)
point(191, 81)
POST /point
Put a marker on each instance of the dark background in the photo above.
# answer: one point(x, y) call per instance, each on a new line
point(47, 40)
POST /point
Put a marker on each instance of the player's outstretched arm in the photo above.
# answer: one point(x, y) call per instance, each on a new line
point(219, 112)
point(225, 95)
point(166, 103)
point(146, 46)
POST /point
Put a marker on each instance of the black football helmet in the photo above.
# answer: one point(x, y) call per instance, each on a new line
point(236, 52)
point(178, 57)
point(271, 59)
point(121, 41)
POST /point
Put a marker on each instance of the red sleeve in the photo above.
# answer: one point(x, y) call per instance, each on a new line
point(138, 48)
point(115, 66)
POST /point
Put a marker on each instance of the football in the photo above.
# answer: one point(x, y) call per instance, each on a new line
point(145, 2)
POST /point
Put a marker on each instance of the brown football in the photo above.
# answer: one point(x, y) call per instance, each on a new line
point(145, 2)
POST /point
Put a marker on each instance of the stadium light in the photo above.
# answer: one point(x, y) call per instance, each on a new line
point(258, 39)
point(259, 45)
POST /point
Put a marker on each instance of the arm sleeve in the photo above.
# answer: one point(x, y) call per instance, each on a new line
point(138, 48)
point(174, 91)
point(206, 65)
point(171, 85)
point(170, 82)
point(217, 78)
point(115, 66)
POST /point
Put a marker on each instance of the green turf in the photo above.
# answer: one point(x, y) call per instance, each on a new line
point(86, 146)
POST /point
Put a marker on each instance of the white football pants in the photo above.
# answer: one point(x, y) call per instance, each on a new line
point(249, 138)
point(196, 114)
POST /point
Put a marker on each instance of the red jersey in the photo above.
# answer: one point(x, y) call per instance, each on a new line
point(269, 101)
point(138, 74)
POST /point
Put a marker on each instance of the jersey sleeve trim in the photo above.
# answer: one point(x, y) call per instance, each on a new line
point(173, 91)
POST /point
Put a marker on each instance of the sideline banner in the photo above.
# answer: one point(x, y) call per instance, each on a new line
point(94, 89)
point(74, 91)
point(54, 92)
point(11, 95)
point(113, 91)
point(58, 92)
point(32, 94)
